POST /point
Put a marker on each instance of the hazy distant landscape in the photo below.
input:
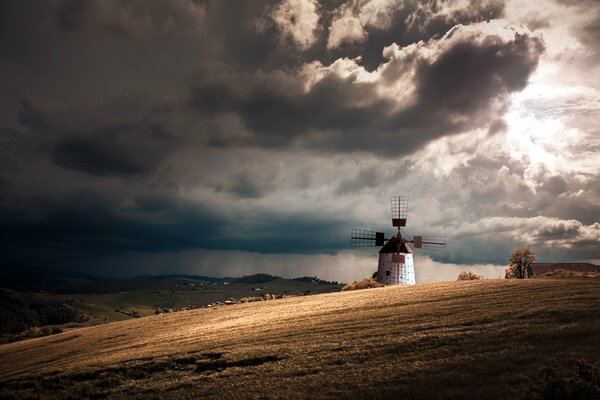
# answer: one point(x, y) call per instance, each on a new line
point(465, 339)
point(61, 302)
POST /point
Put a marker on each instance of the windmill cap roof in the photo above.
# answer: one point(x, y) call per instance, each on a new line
point(395, 245)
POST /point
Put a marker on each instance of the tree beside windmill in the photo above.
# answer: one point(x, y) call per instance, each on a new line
point(396, 263)
point(519, 263)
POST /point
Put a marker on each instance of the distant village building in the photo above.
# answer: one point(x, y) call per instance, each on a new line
point(542, 268)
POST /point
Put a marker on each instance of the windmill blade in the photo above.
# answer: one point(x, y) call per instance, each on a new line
point(365, 238)
point(433, 242)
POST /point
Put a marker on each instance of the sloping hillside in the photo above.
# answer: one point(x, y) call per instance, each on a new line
point(471, 339)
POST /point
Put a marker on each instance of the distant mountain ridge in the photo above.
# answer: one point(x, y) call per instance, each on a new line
point(180, 276)
point(255, 278)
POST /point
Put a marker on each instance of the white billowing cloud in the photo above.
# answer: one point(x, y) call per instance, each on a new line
point(345, 68)
point(345, 28)
point(378, 13)
point(569, 58)
point(354, 16)
point(395, 78)
point(536, 231)
point(444, 155)
point(478, 33)
point(297, 19)
point(556, 21)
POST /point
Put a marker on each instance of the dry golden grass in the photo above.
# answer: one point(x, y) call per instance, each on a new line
point(563, 273)
point(467, 339)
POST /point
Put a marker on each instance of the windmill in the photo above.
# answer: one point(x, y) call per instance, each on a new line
point(396, 265)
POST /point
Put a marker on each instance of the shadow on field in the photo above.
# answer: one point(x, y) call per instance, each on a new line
point(102, 382)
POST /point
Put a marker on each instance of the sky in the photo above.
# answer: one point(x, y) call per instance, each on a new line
point(229, 138)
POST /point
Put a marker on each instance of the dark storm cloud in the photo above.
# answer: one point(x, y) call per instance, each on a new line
point(278, 113)
point(32, 118)
point(365, 178)
point(86, 225)
point(116, 150)
point(132, 19)
point(456, 92)
point(134, 146)
point(464, 79)
point(22, 28)
point(169, 126)
point(245, 187)
point(247, 184)
point(72, 15)
point(235, 24)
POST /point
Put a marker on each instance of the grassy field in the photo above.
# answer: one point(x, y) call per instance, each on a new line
point(471, 339)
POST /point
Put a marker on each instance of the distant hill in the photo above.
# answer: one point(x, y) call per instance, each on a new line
point(180, 276)
point(256, 278)
point(508, 339)
point(313, 279)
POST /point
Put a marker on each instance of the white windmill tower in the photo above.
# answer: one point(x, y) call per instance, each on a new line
point(396, 265)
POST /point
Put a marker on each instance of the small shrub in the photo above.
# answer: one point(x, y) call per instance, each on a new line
point(33, 332)
point(366, 283)
point(468, 276)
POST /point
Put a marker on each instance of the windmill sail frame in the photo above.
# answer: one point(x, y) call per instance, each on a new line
point(366, 238)
point(399, 210)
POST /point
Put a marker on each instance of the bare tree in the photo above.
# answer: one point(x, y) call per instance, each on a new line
point(519, 263)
